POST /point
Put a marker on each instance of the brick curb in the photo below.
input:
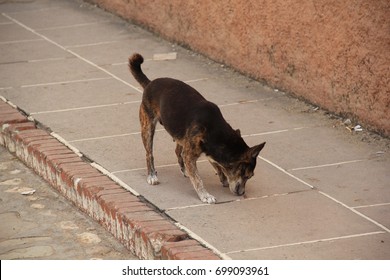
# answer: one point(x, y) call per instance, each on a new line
point(136, 224)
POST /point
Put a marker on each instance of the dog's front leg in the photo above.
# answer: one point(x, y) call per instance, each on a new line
point(179, 151)
point(221, 175)
point(192, 171)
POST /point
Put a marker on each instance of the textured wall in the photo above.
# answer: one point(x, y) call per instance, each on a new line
point(333, 53)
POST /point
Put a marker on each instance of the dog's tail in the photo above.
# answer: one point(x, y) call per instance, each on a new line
point(135, 62)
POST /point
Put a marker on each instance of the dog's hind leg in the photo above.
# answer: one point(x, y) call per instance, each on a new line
point(192, 171)
point(148, 126)
point(179, 152)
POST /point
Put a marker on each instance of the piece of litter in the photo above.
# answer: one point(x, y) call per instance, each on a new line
point(29, 192)
point(347, 122)
point(358, 128)
point(165, 56)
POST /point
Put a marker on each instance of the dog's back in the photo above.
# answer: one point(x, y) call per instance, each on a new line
point(177, 105)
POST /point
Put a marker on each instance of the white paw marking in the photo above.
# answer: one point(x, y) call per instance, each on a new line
point(152, 180)
point(207, 198)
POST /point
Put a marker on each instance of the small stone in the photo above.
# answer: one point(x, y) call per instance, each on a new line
point(37, 206)
point(68, 225)
point(347, 122)
point(89, 238)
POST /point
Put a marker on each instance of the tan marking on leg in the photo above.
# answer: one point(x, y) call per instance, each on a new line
point(191, 152)
point(221, 175)
point(179, 151)
point(148, 126)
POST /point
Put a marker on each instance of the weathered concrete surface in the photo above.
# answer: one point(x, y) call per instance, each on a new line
point(335, 54)
point(38, 223)
point(320, 191)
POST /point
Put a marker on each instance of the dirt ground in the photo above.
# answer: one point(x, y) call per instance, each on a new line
point(39, 223)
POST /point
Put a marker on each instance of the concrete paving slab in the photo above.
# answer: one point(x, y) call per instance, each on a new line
point(94, 33)
point(175, 190)
point(72, 95)
point(17, 6)
point(54, 17)
point(220, 90)
point(127, 151)
point(379, 212)
point(312, 147)
point(371, 247)
point(93, 122)
point(176, 69)
point(12, 32)
point(43, 72)
point(31, 51)
point(272, 221)
point(257, 117)
point(355, 184)
point(4, 20)
point(117, 52)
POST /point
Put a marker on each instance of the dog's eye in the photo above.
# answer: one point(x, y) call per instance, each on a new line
point(245, 171)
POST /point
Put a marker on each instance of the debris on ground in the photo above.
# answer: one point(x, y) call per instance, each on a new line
point(165, 56)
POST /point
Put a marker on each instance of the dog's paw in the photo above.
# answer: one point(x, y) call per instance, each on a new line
point(152, 180)
point(207, 198)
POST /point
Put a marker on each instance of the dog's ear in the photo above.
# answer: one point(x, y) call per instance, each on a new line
point(238, 132)
point(255, 150)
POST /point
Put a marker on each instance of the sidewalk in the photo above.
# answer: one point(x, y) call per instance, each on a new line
point(319, 190)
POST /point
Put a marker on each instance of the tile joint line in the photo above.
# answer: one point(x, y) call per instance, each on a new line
point(66, 82)
point(307, 242)
point(84, 108)
point(71, 52)
point(326, 165)
point(326, 195)
point(371, 205)
point(202, 241)
point(356, 211)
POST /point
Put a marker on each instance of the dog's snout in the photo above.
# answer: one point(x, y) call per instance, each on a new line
point(238, 188)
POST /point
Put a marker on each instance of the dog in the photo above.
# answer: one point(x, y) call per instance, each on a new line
point(198, 127)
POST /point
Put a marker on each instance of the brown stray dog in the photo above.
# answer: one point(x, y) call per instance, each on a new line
point(197, 127)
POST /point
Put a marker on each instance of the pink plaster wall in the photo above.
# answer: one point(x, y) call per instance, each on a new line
point(333, 53)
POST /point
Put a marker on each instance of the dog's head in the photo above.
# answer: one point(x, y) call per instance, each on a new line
point(239, 172)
